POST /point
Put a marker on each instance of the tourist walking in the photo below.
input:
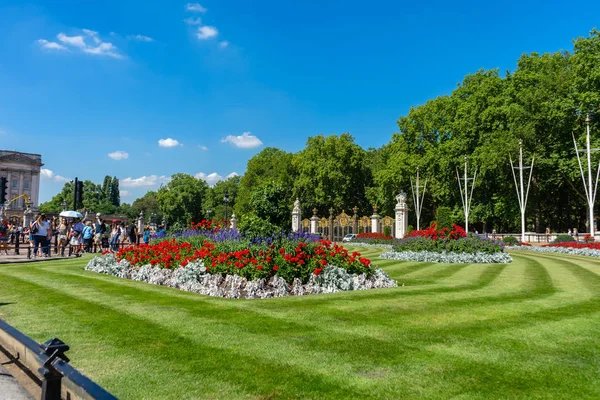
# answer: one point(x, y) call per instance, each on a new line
point(88, 236)
point(114, 236)
point(63, 231)
point(4, 235)
point(576, 234)
point(548, 234)
point(76, 237)
point(39, 232)
point(132, 233)
point(146, 234)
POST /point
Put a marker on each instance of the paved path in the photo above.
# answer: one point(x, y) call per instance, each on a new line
point(10, 389)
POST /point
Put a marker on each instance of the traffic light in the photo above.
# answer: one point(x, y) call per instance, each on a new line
point(77, 193)
point(3, 190)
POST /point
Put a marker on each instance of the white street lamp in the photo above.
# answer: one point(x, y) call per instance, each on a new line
point(590, 195)
point(520, 187)
point(465, 196)
point(418, 200)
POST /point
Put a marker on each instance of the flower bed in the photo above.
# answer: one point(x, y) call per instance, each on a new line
point(571, 250)
point(195, 277)
point(374, 238)
point(471, 244)
point(447, 246)
point(219, 258)
point(448, 257)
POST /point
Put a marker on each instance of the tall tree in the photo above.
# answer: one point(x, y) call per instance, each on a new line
point(115, 194)
point(270, 165)
point(181, 200)
point(333, 172)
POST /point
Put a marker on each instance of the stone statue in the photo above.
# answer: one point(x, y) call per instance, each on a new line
point(401, 197)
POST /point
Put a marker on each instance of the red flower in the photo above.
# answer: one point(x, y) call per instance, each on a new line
point(275, 268)
point(318, 271)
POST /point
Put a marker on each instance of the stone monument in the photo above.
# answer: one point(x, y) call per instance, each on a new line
point(401, 215)
point(296, 216)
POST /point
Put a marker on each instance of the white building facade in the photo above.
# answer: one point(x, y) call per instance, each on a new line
point(22, 171)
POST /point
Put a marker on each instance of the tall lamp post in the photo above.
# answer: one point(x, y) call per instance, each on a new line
point(226, 200)
point(589, 186)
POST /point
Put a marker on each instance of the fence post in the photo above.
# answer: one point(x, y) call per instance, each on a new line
point(375, 220)
point(314, 222)
point(331, 224)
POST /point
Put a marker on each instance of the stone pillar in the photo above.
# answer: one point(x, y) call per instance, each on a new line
point(140, 223)
point(375, 220)
point(22, 188)
point(296, 216)
point(35, 189)
point(314, 222)
point(355, 220)
point(233, 221)
point(331, 224)
point(401, 215)
point(27, 217)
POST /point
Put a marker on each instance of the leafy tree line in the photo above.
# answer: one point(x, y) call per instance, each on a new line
point(483, 118)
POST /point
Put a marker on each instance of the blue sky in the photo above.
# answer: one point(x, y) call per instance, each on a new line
point(95, 86)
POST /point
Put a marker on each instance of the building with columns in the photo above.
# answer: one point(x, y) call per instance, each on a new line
point(22, 171)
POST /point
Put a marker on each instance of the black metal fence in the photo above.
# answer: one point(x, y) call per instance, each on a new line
point(49, 366)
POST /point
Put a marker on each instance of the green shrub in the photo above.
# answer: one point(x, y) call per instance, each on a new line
point(254, 226)
point(470, 245)
point(387, 231)
point(563, 239)
point(444, 218)
point(510, 241)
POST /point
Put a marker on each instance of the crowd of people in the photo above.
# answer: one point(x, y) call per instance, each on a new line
point(79, 235)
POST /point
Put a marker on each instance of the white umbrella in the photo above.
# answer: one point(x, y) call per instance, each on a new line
point(71, 214)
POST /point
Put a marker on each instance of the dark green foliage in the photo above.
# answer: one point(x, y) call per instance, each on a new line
point(563, 239)
point(180, 201)
point(510, 241)
point(444, 218)
point(254, 226)
point(269, 203)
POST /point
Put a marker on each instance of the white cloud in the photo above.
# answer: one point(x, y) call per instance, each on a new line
point(245, 141)
point(203, 148)
point(224, 43)
point(207, 32)
point(124, 193)
point(119, 155)
point(93, 35)
point(193, 21)
point(144, 181)
point(50, 45)
point(195, 7)
point(103, 49)
point(76, 41)
point(89, 43)
point(141, 38)
point(168, 142)
point(49, 175)
point(211, 179)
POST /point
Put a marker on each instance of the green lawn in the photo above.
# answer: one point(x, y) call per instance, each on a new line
point(529, 329)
